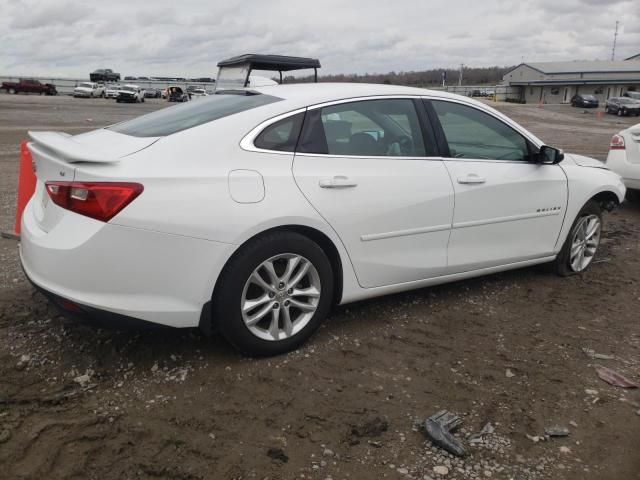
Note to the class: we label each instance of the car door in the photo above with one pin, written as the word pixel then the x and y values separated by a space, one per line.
pixel 508 207
pixel 366 168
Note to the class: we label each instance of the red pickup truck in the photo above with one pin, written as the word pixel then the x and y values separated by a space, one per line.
pixel 27 85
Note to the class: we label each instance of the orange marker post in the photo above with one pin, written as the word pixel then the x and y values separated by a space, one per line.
pixel 26 183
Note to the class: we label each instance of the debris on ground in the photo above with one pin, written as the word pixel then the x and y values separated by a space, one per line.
pixel 509 373
pixel 277 454
pixel 556 431
pixel 488 429
pixel 591 353
pixel 439 428
pixel 614 378
pixel 372 428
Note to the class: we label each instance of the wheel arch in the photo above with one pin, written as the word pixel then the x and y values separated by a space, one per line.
pixel 607 200
pixel 207 322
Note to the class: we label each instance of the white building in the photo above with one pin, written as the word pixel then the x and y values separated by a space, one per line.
pixel 557 82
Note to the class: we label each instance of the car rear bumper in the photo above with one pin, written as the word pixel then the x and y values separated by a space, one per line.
pixel 618 162
pixel 129 272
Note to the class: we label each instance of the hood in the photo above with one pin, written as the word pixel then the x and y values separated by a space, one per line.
pixel 586 161
pixel 100 146
pixel 83 89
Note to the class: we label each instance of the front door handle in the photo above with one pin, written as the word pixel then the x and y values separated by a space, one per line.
pixel 339 181
pixel 471 178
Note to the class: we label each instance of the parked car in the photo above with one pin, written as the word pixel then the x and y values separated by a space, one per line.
pixel 176 94
pixel 104 75
pixel 28 85
pixel 584 100
pixel 111 90
pixel 89 90
pixel 624 156
pixel 622 106
pixel 631 94
pixel 130 94
pixel 130 78
pixel 152 93
pixel 197 93
pixel 310 195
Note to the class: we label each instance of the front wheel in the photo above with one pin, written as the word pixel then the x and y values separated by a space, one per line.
pixel 13 91
pixel 582 243
pixel 273 294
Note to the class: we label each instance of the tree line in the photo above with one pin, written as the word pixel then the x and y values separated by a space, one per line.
pixel 424 78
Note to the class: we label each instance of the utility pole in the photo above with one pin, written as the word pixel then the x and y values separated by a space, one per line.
pixel 615 38
pixel 460 78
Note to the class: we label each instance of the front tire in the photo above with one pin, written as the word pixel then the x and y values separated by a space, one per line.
pixel 273 294
pixel 582 243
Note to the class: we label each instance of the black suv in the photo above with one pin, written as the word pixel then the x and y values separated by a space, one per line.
pixel 584 101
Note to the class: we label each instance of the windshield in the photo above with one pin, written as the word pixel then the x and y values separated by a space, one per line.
pixel 128 89
pixel 86 85
pixel 232 77
pixel 188 115
pixel 588 97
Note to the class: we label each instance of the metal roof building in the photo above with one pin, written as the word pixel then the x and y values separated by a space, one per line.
pixel 557 82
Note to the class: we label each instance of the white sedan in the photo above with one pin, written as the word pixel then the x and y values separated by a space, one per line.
pixel 624 156
pixel 88 90
pixel 255 212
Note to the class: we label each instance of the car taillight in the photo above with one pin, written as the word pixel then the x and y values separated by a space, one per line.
pixel 99 200
pixel 617 142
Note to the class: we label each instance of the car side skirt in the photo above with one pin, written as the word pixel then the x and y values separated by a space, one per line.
pixel 363 294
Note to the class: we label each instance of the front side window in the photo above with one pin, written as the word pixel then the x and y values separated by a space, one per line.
pixel 191 114
pixel 471 133
pixel 371 128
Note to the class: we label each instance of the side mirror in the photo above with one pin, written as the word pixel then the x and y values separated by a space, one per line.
pixel 549 155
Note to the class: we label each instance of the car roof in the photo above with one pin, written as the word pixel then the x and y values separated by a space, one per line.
pixel 304 94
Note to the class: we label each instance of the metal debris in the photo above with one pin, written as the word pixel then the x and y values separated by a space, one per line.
pixel 556 431
pixel 439 427
pixel 614 378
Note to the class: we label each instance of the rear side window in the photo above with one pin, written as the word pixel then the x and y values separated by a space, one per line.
pixel 191 114
pixel 370 128
pixel 281 136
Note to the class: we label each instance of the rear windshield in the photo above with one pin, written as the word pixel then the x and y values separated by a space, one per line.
pixel 588 97
pixel 191 114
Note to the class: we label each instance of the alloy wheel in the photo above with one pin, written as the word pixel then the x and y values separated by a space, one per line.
pixel 280 297
pixel 585 242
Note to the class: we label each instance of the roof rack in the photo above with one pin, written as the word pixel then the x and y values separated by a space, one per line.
pixel 275 63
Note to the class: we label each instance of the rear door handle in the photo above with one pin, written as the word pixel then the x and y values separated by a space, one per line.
pixel 471 178
pixel 339 181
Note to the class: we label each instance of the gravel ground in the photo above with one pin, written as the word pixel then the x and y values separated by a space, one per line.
pixel 516 349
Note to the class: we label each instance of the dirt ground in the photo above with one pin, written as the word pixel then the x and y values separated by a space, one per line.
pixel 82 403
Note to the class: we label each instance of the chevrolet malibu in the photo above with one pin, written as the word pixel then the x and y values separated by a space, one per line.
pixel 254 211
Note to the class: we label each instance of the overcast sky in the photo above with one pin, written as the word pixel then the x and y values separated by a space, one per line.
pixel 188 37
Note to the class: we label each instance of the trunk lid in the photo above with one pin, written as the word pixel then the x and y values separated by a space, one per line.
pixel 57 156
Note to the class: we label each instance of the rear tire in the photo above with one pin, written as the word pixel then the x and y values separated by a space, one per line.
pixel 582 243
pixel 13 91
pixel 274 325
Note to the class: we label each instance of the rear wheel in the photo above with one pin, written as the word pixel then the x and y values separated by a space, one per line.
pixel 13 91
pixel 582 243
pixel 273 294
pixel 606 109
